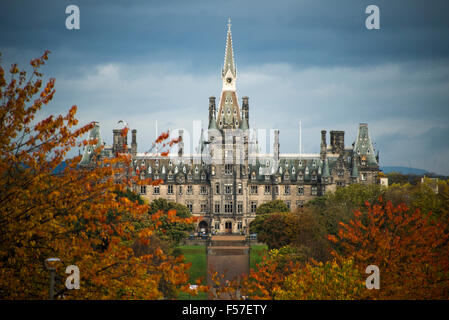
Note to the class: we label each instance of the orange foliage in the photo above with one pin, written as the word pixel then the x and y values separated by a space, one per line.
pixel 78 215
pixel 411 249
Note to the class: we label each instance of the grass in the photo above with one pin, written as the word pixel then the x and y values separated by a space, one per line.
pixel 197 256
pixel 257 253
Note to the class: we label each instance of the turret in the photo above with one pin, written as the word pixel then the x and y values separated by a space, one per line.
pixel 363 147
pixel 245 108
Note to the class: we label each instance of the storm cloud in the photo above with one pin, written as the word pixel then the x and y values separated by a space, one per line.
pixel 308 61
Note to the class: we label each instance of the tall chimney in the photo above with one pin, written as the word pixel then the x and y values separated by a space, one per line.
pixel 276 145
pixel 134 142
pixel 323 145
pixel 181 143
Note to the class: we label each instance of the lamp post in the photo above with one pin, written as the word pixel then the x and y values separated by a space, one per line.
pixel 49 264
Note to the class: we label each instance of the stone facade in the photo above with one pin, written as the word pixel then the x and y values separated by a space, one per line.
pixel 225 182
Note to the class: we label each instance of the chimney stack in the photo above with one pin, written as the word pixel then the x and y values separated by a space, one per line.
pixel 134 142
pixel 323 145
pixel 181 144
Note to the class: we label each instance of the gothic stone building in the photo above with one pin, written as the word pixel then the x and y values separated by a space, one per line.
pixel 227 179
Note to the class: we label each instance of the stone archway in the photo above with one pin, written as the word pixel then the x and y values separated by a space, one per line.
pixel 203 227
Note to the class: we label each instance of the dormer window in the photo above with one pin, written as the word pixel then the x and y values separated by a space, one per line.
pixel 300 163
pixel 229 80
pixel 293 170
pixel 157 163
pixel 196 170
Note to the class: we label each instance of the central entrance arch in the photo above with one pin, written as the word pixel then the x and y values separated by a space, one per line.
pixel 228 227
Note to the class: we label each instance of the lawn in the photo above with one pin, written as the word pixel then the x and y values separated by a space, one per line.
pixel 197 256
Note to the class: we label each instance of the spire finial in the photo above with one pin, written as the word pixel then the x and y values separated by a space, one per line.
pixel 229 23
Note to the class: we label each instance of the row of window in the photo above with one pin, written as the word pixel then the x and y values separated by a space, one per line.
pixel 287 190
pixel 228 189
pixel 170 189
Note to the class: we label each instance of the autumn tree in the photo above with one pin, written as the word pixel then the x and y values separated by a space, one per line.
pixel 332 280
pixel 410 247
pixel 79 215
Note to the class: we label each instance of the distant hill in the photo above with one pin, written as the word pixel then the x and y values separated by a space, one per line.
pixel 404 170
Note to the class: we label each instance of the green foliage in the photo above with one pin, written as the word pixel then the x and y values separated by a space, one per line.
pixel 399 178
pixel 272 207
pixel 275 229
pixel 172 232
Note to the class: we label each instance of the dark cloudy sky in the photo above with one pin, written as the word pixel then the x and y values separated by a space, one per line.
pixel 314 61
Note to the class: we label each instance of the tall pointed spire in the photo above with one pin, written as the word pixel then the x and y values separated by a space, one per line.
pixel 229 64
pixel 228 116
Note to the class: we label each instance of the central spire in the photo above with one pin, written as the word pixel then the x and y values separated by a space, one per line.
pixel 229 64
pixel 229 111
